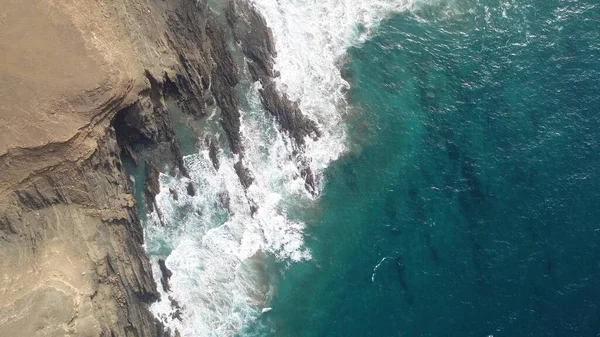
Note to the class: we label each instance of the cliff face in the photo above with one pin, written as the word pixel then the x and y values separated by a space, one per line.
pixel 82 83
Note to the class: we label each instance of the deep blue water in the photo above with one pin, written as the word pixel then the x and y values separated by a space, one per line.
pixel 472 181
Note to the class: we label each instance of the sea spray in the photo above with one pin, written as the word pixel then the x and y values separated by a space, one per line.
pixel 216 241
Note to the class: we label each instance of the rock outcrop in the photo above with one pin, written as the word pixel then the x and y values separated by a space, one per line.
pixel 256 39
pixel 83 84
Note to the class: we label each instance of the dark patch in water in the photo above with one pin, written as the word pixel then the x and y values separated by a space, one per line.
pixel 494 193
pixel 417 205
pixel 350 176
pixel 472 180
pixel 477 257
pixel 390 207
pixel 401 270
pixel 465 205
pixel 549 265
pixel 435 256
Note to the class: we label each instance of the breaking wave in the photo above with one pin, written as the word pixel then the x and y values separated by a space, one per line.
pixel 217 241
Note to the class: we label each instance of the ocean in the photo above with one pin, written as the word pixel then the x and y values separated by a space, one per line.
pixel 458 189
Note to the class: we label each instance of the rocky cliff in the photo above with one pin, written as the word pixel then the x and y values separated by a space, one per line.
pixel 82 84
pixel 85 85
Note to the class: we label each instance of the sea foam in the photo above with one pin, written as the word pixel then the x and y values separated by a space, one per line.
pixel 216 246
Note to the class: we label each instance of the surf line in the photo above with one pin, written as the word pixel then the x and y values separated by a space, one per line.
pixel 377 267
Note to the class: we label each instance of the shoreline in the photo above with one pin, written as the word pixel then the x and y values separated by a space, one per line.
pixel 92 89
pixel 67 209
pixel 67 205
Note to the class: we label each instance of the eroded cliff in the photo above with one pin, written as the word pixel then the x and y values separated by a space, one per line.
pixel 83 83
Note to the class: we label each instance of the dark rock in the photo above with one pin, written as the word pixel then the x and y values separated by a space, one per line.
pixel 129 153
pixel 253 207
pixel 210 101
pixel 146 125
pixel 6 225
pixel 101 186
pixel 179 158
pixel 191 191
pixel 224 79
pixel 212 153
pixel 152 184
pixel 174 194
pixel 256 38
pixel 309 179
pixel 152 188
pixel 225 201
pixel 161 331
pixel 244 174
pixel 176 314
pixel 287 113
pixel 42 193
pixel 187 20
pixel 166 275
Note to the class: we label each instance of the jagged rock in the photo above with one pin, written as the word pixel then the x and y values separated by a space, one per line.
pixel 244 174
pixel 146 124
pixel 66 204
pixel 256 38
pixel 176 314
pixel 309 179
pixel 191 191
pixel 67 209
pixel 225 201
pixel 253 207
pixel 224 79
pixel 161 331
pixel 166 275
pixel 6 225
pixel 174 194
pixel 152 184
pixel 212 152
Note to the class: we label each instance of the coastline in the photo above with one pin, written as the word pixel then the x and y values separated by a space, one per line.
pixel 91 91
pixel 97 93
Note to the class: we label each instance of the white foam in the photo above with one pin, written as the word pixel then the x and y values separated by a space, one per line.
pixel 377 267
pixel 311 39
pixel 218 244
pixel 218 252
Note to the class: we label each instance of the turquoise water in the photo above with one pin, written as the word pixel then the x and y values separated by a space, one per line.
pixel 469 202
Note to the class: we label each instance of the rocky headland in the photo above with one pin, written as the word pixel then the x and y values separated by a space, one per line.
pixel 84 86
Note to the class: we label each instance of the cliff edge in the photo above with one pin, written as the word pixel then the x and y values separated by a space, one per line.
pixel 85 84
pixel 81 82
